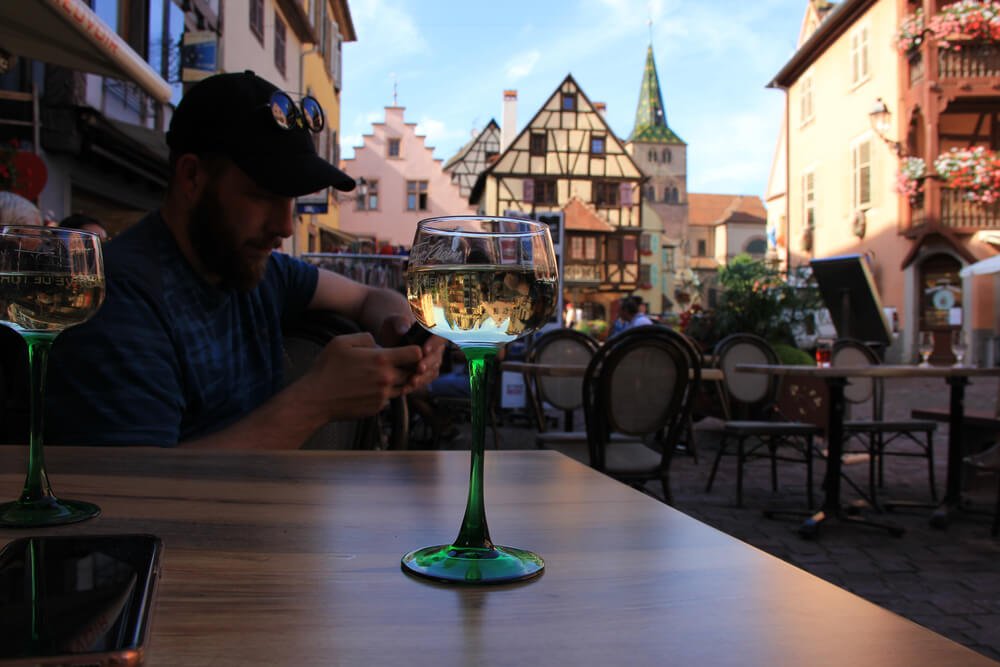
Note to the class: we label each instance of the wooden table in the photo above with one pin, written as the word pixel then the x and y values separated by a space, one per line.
pixel 836 379
pixel 293 558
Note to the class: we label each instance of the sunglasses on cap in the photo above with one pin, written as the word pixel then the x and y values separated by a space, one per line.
pixel 288 115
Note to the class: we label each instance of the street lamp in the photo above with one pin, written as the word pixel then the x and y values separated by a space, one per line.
pixel 879 117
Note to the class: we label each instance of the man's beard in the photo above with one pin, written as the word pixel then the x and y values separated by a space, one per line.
pixel 217 246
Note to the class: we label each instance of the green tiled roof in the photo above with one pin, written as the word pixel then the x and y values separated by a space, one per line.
pixel 650 115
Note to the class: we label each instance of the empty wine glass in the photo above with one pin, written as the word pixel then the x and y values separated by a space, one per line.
pixel 925 346
pixel 958 346
pixel 50 279
pixel 479 282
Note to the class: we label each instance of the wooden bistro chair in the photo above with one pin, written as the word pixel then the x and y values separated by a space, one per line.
pixel 756 424
pixel 304 338
pixel 566 347
pixel 637 386
pixel 881 437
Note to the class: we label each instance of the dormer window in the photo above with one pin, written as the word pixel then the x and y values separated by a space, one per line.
pixel 597 145
pixel 569 101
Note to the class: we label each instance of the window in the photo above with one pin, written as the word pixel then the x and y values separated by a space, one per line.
pixel 809 199
pixel 367 201
pixel 606 193
pixel 416 195
pixel 702 248
pixel 668 259
pixel 757 247
pixel 545 191
pixel 650 193
pixel 569 101
pixel 651 155
pixel 590 248
pixel 667 155
pixel 334 148
pixel 597 143
pixel 576 247
pixel 861 173
pixel 806 99
pixel 630 249
pixel 859 55
pixel 279 44
pixel 645 275
pixel 394 148
pixel 538 146
pixel 646 243
pixel 257 19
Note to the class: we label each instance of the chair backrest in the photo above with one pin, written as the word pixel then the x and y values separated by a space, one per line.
pixel 749 394
pixel 561 346
pixel 304 338
pixel 851 352
pixel 637 385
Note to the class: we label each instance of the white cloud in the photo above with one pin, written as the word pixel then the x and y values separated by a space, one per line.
pixel 521 65
pixel 438 132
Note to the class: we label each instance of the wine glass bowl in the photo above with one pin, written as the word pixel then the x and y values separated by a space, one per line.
pixel 959 346
pixel 50 279
pixel 925 346
pixel 479 282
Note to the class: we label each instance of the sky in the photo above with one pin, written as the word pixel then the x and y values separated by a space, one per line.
pixel 451 60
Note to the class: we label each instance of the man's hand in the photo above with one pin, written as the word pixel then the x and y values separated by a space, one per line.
pixel 391 333
pixel 356 378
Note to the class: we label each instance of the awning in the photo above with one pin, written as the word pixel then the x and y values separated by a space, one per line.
pixel 68 33
pixel 986 266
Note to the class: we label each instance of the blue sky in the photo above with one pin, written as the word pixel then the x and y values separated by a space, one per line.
pixel 451 61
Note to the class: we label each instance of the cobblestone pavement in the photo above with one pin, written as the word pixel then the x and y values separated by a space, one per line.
pixel 947 580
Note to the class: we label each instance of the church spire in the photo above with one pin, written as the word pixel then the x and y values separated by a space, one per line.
pixel 650 114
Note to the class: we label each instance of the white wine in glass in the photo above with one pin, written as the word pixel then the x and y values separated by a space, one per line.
pixel 479 282
pixel 50 279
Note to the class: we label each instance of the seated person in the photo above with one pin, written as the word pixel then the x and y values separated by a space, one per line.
pixel 86 223
pixel 187 348
pixel 16 210
pixel 630 313
pixel 453 382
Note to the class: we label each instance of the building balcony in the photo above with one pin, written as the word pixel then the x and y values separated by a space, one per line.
pixel 974 63
pixel 961 215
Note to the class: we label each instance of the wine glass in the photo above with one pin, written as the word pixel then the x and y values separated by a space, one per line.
pixel 50 279
pixel 479 282
pixel 958 346
pixel 925 346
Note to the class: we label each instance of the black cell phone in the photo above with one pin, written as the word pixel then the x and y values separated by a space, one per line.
pixel 77 600
pixel 415 335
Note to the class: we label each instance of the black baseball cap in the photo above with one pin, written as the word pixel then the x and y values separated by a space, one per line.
pixel 228 114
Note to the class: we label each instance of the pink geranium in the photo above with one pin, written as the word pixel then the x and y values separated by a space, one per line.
pixel 975 170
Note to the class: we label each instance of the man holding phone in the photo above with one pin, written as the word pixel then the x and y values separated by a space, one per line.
pixel 187 348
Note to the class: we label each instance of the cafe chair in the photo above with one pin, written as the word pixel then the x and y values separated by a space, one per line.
pixel 757 427
pixel 637 386
pixel 881 437
pixel 304 338
pixel 989 461
pixel 559 347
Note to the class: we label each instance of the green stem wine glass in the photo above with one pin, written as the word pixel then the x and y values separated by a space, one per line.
pixel 480 283
pixel 50 279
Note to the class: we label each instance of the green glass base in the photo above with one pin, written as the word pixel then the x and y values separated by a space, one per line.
pixel 48 511
pixel 456 565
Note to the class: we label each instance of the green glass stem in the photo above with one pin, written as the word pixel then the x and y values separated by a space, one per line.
pixel 474 532
pixel 36 483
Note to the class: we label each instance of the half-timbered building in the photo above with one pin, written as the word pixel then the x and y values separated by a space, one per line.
pixel 472 158
pixel 568 159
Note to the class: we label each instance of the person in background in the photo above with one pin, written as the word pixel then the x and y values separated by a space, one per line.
pixel 16 210
pixel 187 348
pixel 85 223
pixel 630 313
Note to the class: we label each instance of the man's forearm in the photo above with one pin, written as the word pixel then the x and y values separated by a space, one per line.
pixel 285 421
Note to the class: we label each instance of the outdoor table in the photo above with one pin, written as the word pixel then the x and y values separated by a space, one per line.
pixel 836 379
pixel 579 370
pixel 293 558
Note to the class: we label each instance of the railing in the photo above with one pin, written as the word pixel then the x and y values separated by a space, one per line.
pixel 957 212
pixel 374 270
pixel 973 61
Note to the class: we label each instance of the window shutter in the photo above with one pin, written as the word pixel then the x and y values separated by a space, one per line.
pixel 529 190
pixel 625 194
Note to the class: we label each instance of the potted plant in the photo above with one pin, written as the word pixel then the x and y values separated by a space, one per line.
pixel 975 170
pixel 910 180
pixel 968 20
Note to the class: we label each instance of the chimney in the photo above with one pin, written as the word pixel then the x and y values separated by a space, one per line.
pixel 509 128
pixel 601 108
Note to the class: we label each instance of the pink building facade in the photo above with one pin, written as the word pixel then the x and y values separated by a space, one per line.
pixel 403 184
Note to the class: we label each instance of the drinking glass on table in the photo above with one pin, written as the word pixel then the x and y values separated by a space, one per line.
pixel 50 279
pixel 959 347
pixel 824 352
pixel 925 346
pixel 480 283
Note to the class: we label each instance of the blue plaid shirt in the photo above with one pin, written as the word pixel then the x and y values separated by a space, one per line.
pixel 168 357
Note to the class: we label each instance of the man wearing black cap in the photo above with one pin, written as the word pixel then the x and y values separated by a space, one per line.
pixel 187 348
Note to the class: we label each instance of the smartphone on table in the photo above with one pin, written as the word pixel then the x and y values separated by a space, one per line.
pixel 77 600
